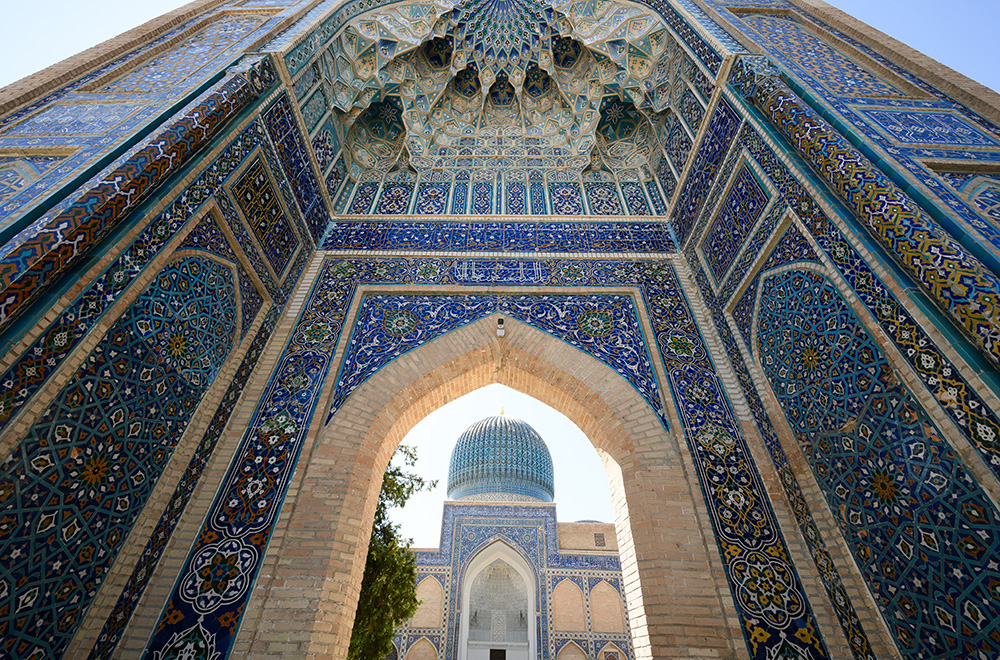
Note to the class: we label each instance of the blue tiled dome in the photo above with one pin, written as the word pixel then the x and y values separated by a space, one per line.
pixel 500 458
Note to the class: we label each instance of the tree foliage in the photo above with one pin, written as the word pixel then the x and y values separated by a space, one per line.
pixel 389 587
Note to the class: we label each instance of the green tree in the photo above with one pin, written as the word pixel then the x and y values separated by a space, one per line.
pixel 389 587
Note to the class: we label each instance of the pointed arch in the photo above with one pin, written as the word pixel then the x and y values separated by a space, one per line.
pixel 610 651
pixel 431 610
pixel 343 462
pixel 606 612
pixel 571 651
pixel 422 650
pixel 569 612
pixel 498 552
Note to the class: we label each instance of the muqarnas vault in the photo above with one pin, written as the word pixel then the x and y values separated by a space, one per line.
pixel 750 248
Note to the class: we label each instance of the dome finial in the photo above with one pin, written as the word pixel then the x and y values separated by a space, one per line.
pixel 501 410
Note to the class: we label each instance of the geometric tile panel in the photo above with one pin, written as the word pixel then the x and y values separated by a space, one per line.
pixel 715 144
pixel 182 61
pixel 189 333
pixel 792 247
pixel 967 409
pixel 909 160
pixel 261 208
pixel 432 199
pixel 59 239
pixel 635 201
pixel 293 154
pixel 825 565
pixel 603 199
pixel 938 128
pixel 30 371
pixel 983 194
pixel 737 215
pixel 515 199
pixel 395 199
pixel 207 236
pixel 82 119
pixel 141 575
pixel 806 55
pixel 565 199
pixel 678 145
pixel 956 280
pixel 363 198
pixel 71 490
pixel 926 537
pixel 482 198
pixel 98 122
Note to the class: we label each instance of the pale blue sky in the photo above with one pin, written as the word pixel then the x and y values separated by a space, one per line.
pixel 959 33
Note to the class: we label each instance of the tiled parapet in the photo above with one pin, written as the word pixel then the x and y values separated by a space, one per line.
pixel 47 248
pixel 75 118
pixel 958 283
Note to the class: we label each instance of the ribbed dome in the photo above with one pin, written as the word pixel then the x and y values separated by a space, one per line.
pixel 500 459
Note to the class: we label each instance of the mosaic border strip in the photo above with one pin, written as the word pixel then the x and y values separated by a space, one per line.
pixel 500 235
pixel 60 238
pixel 958 283
pixel 29 373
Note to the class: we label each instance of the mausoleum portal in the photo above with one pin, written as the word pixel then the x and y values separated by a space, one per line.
pixel 750 248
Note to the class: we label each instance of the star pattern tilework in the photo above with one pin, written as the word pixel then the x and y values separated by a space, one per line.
pixel 76 483
pixel 922 531
pixel 30 371
pixel 742 207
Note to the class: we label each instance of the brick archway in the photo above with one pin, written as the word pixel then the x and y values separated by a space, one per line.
pixel 677 596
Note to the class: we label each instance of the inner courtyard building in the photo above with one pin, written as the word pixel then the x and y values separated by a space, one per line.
pixel 751 248
pixel 503 556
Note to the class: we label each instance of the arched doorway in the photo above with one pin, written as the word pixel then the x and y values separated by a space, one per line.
pixel 324 522
pixel 499 618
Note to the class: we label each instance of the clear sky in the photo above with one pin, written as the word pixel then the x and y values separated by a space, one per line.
pixel 36 34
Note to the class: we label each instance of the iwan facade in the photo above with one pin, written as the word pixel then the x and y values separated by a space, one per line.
pixel 751 248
